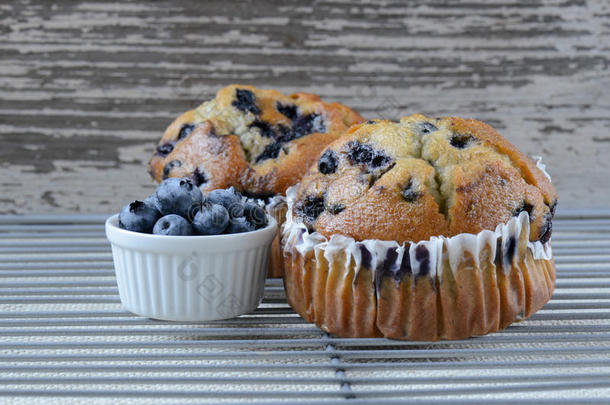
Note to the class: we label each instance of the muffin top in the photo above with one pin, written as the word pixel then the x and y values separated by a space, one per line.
pixel 422 177
pixel 258 141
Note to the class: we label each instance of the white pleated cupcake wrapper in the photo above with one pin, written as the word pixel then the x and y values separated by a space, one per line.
pixel 426 256
pixel 195 287
pixel 541 166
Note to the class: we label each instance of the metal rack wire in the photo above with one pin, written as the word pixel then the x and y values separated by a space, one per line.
pixel 64 337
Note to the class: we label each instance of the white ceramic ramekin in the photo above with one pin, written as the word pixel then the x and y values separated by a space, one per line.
pixel 190 278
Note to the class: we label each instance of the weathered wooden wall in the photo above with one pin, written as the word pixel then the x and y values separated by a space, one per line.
pixel 86 88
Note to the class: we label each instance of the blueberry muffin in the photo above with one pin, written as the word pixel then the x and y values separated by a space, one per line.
pixel 258 141
pixel 423 229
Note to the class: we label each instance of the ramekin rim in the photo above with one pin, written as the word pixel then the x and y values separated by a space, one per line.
pixel 272 223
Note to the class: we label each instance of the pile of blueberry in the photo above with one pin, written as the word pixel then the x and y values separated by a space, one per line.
pixel 177 207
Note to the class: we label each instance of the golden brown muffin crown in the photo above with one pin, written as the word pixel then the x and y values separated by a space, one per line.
pixel 423 177
pixel 259 141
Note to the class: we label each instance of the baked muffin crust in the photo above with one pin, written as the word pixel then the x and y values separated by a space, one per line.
pixel 258 141
pixel 423 177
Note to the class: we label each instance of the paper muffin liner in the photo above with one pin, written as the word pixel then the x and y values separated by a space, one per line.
pixel 441 288
pixel 276 207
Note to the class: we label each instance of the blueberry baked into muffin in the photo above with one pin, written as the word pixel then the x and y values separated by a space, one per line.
pixel 258 141
pixel 422 229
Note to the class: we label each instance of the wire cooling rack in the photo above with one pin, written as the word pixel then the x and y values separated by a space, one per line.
pixel 64 337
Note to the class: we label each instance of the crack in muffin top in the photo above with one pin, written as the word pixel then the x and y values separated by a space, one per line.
pixel 422 177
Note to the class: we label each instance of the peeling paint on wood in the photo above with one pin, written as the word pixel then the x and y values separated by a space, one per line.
pixel 87 88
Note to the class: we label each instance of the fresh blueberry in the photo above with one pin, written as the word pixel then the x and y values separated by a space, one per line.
pixel 178 196
pixel 265 196
pixel 229 198
pixel 255 215
pixel 172 224
pixel 185 131
pixel 236 209
pixel 152 201
pixel 328 162
pixel 212 219
pixel 139 216
pixel 245 101
pixel 239 225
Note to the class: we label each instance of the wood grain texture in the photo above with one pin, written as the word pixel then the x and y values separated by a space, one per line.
pixel 87 88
